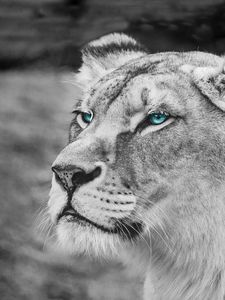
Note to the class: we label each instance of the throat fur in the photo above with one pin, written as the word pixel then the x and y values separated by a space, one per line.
pixel 191 266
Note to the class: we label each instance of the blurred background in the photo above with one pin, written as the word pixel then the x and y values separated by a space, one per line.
pixel 39 51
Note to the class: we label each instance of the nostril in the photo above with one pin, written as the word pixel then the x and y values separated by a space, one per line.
pixel 70 177
pixel 94 174
pixel 78 177
pixel 97 171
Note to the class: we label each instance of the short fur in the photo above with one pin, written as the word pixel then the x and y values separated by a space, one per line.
pixel 170 179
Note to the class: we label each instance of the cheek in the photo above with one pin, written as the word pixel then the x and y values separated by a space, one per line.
pixel 57 200
pixel 163 150
pixel 145 160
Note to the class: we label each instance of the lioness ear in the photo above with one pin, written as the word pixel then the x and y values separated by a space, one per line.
pixel 105 54
pixel 210 81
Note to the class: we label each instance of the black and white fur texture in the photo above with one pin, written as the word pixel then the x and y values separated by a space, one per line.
pixel 151 195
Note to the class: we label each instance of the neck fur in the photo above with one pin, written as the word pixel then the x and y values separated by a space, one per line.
pixel 187 259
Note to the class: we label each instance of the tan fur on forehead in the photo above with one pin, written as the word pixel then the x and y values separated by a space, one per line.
pixel 147 92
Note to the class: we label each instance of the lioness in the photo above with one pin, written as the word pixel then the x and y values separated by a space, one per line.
pixel 143 175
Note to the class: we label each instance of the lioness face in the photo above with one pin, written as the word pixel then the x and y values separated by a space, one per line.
pixel 136 137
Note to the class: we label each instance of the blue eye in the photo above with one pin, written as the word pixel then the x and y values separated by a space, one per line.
pixel 84 118
pixel 87 117
pixel 157 118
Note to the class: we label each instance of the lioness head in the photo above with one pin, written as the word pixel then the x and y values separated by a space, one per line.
pixel 147 131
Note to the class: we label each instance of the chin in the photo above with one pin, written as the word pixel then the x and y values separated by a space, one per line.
pixel 82 232
pixel 77 239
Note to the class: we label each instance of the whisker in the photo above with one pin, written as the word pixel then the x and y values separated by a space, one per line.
pixel 122 227
pixel 152 226
pixel 156 206
pixel 141 235
pixel 48 236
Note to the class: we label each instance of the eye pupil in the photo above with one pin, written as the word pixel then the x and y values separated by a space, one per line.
pixel 87 117
pixel 158 118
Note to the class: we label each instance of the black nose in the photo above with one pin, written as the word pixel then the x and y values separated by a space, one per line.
pixel 70 177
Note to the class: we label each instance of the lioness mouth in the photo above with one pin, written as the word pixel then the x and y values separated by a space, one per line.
pixel 72 215
pixel 127 231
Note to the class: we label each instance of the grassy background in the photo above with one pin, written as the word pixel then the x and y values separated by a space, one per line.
pixel 34 116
